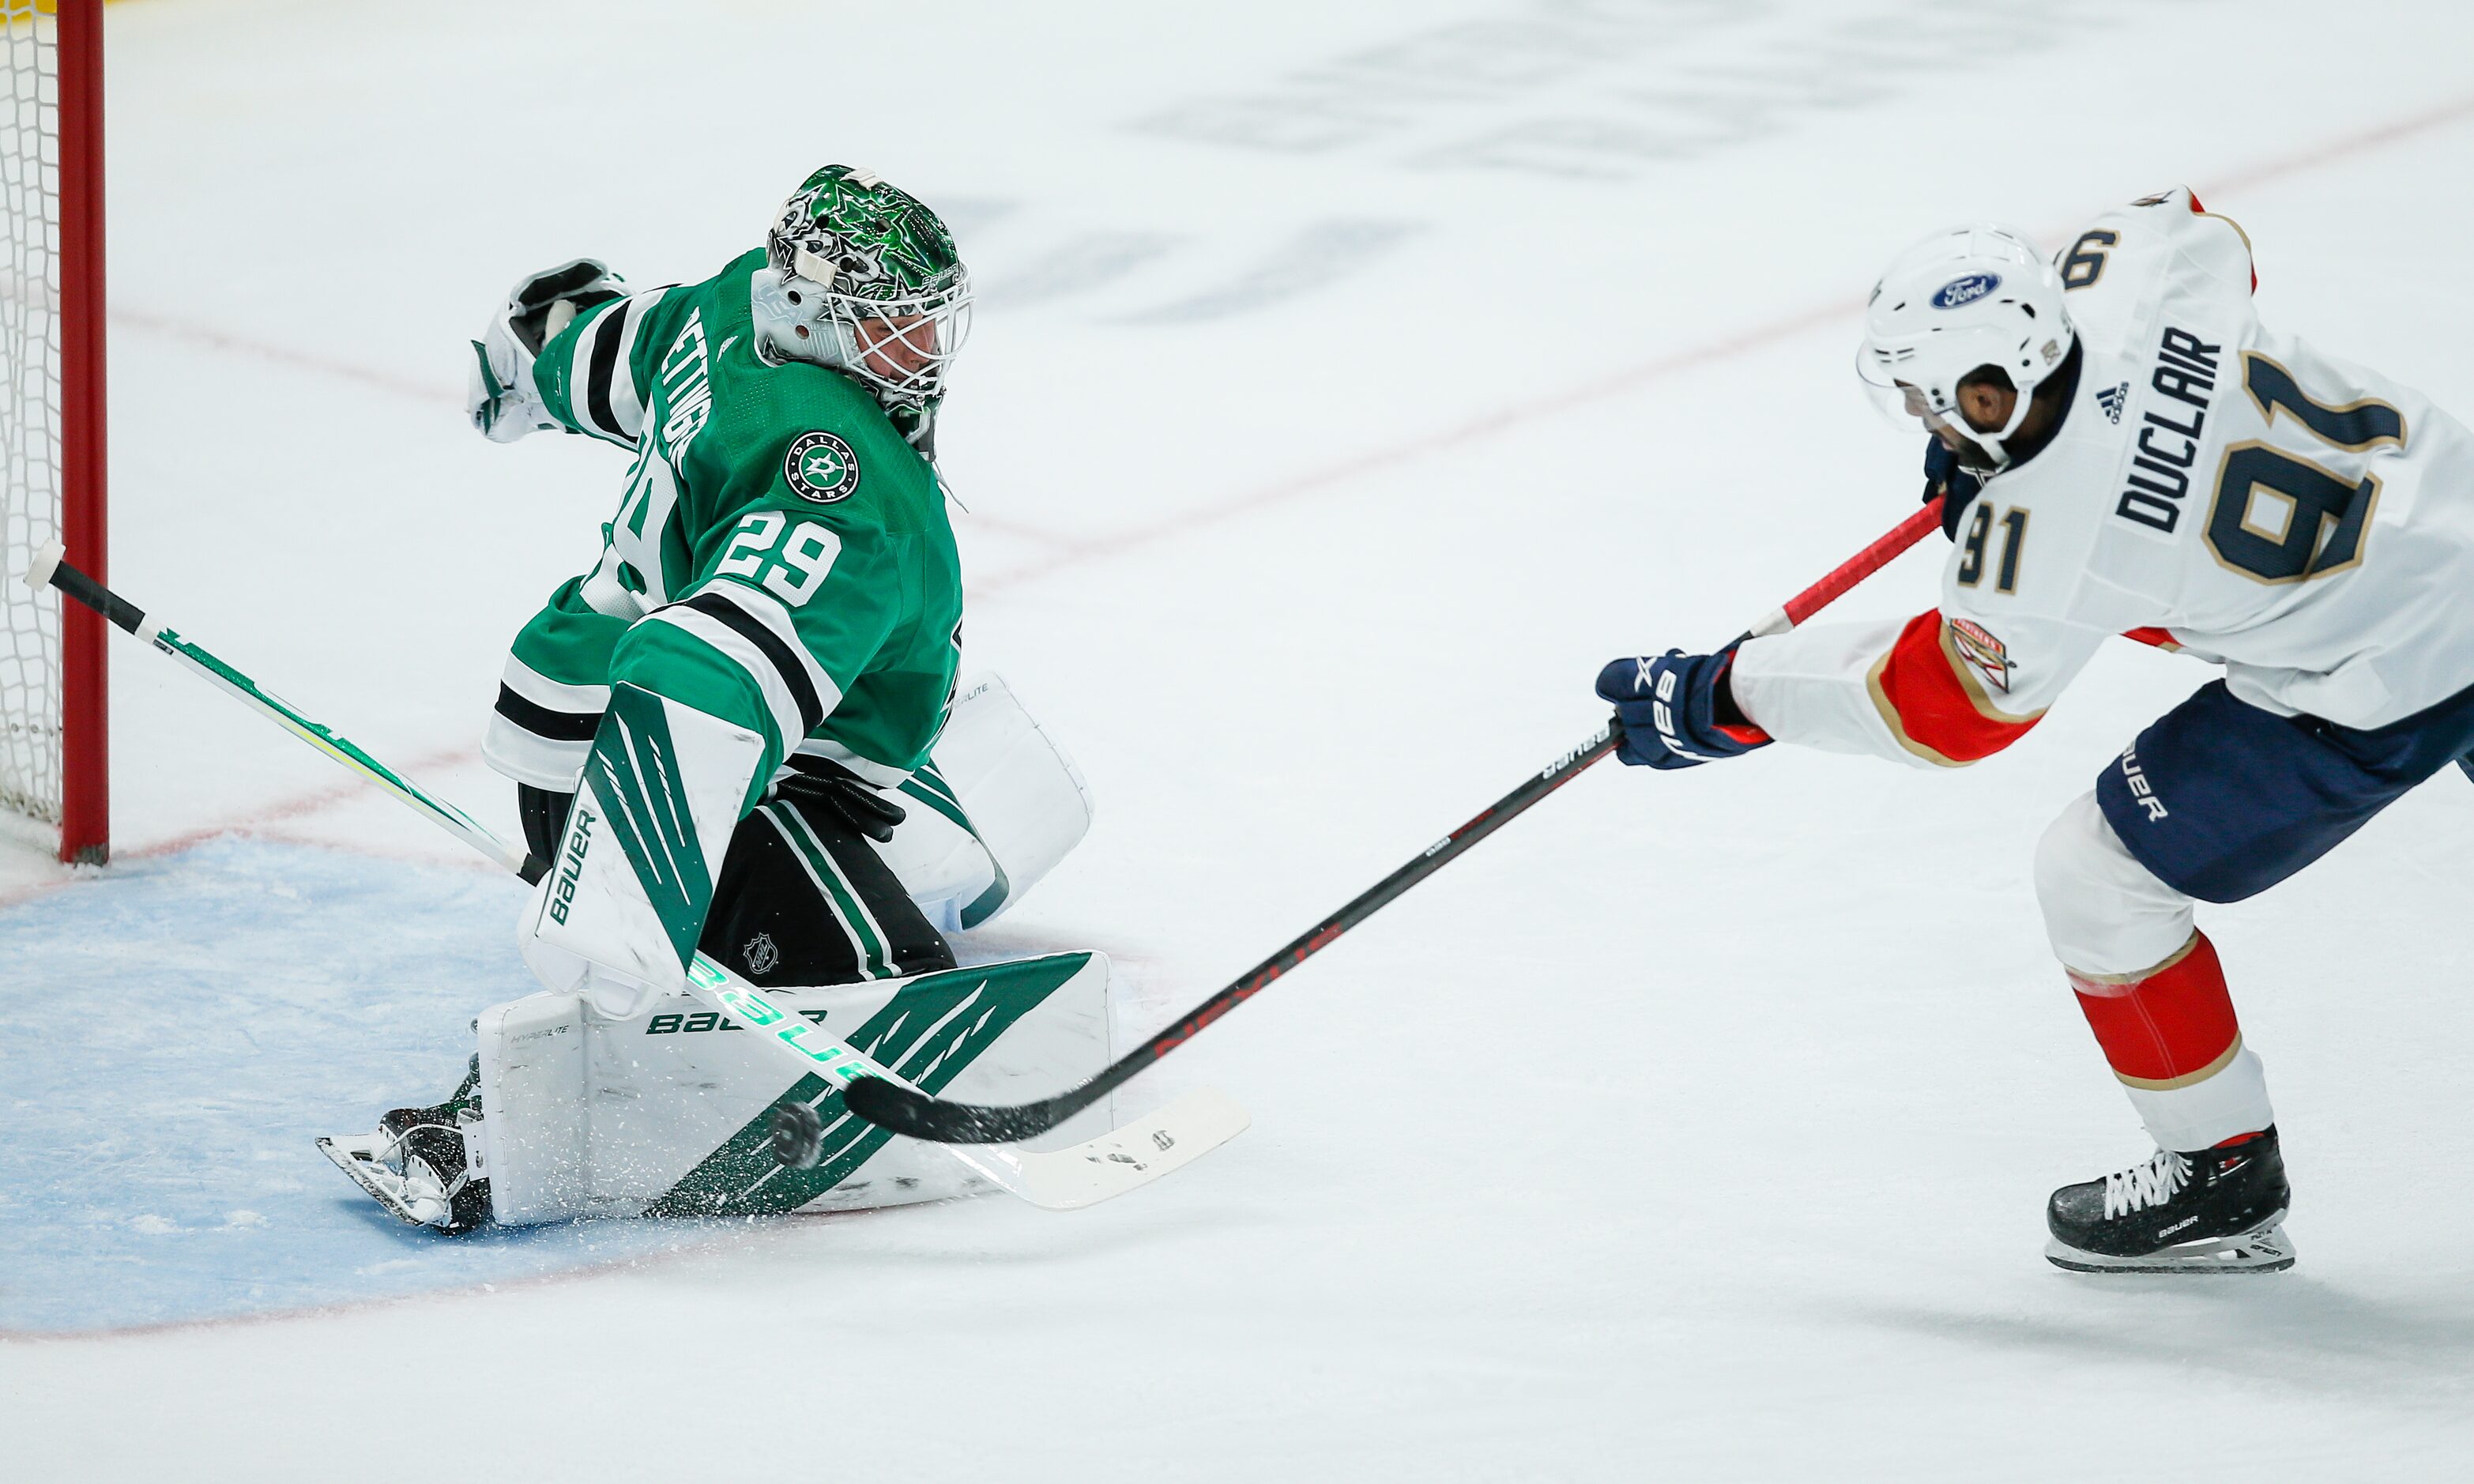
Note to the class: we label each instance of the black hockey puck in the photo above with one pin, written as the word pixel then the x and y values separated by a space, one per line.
pixel 798 1136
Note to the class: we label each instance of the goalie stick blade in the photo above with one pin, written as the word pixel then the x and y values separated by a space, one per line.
pixel 1125 1159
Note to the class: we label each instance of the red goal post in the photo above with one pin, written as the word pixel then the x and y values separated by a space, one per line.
pixel 54 703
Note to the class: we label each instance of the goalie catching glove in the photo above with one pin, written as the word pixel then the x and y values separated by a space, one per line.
pixel 501 395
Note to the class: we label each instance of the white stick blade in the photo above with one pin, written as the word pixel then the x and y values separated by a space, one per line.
pixel 47 560
pixel 1125 1159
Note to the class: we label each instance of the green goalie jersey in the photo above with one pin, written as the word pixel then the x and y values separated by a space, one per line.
pixel 780 557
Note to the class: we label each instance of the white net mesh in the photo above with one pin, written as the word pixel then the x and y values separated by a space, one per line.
pixel 30 412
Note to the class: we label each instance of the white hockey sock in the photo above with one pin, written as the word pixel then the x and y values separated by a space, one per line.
pixel 2206 1113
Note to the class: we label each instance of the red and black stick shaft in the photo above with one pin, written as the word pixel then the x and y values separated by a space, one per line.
pixel 920 1116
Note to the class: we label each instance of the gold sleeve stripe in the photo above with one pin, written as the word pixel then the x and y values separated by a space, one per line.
pixel 2089 983
pixel 2187 1079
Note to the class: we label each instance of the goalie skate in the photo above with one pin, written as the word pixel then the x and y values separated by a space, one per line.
pixel 408 1188
pixel 425 1164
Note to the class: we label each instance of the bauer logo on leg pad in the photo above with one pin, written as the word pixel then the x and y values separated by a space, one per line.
pixel 571 863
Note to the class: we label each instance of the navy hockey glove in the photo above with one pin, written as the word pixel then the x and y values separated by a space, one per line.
pixel 1676 710
pixel 1944 476
pixel 839 794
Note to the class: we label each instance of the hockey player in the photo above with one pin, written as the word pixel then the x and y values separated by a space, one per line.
pixel 2123 447
pixel 706 727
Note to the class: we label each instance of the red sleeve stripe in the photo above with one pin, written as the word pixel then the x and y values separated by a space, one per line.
pixel 2162 639
pixel 1932 702
pixel 1746 732
pixel 2197 210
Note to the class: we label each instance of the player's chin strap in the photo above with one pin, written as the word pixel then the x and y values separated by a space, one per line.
pixel 1096 1170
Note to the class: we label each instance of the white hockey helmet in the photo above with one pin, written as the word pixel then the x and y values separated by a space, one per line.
pixel 1963 299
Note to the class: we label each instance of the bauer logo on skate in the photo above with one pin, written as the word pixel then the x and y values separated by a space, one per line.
pixel 1965 290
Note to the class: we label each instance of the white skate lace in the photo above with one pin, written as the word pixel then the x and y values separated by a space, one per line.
pixel 2143 1185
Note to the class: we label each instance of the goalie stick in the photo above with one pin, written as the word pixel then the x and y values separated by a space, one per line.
pixel 1122 1159
pixel 890 1104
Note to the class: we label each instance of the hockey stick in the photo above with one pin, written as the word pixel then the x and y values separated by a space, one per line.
pixel 1115 1162
pixel 907 1110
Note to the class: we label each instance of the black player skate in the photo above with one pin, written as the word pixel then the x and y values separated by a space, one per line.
pixel 2214 1210
pixel 425 1163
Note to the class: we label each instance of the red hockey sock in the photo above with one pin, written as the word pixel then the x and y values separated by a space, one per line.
pixel 2169 1028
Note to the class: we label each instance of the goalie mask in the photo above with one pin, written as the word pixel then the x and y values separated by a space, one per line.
pixel 1958 301
pixel 864 279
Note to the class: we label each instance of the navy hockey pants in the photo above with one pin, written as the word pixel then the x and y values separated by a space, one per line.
pixel 2223 800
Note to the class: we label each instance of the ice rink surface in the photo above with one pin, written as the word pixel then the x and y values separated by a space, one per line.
pixel 1348 385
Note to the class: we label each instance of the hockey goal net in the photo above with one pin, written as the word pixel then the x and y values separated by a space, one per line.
pixel 53 774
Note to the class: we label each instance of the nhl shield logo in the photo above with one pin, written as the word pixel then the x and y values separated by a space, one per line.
pixel 761 954
pixel 821 467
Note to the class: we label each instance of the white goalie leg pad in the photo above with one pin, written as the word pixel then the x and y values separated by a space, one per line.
pixel 680 1113
pixel 1000 804
pixel 533 1107
pixel 618 915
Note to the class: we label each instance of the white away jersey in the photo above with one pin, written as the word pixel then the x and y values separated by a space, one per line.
pixel 2302 520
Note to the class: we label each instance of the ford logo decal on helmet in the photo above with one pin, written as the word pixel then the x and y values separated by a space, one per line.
pixel 1965 290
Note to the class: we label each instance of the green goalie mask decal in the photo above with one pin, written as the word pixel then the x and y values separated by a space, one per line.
pixel 878 242
pixel 875 285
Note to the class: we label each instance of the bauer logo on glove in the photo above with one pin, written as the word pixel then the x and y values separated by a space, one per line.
pixel 1676 711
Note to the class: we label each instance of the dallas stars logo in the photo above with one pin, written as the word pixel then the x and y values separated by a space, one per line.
pixel 821 467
